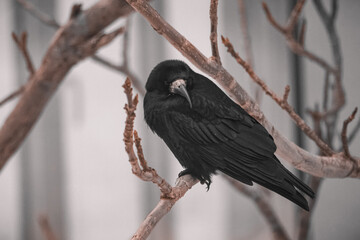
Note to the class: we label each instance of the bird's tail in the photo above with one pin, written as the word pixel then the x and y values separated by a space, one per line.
pixel 289 188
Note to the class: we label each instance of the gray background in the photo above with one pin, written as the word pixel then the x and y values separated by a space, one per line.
pixel 73 166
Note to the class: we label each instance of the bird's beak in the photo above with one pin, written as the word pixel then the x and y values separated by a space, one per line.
pixel 179 87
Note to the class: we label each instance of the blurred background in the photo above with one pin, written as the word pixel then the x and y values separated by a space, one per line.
pixel 73 166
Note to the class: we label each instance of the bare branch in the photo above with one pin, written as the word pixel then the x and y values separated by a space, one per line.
pixel 272 20
pixel 66 49
pixel 329 23
pixel 302 33
pixel 262 203
pixel 295 13
pixel 344 133
pixel 46 228
pixel 146 173
pixel 22 44
pixel 292 43
pixel 184 184
pixel 213 31
pixel 169 195
pixel 325 166
pixel 12 95
pixel 43 17
pixel 48 20
pixel 281 101
pixel 354 132
pixel 135 81
pixel 123 68
pixel 140 153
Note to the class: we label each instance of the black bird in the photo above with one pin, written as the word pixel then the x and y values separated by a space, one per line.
pixel 207 131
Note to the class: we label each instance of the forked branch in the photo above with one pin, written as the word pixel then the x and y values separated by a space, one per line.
pixel 335 165
pixel 283 103
pixel 169 195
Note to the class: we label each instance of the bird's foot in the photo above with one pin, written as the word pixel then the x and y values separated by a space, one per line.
pixel 201 179
pixel 185 172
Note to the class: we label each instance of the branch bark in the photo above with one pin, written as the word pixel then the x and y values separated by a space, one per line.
pixel 79 38
pixel 336 165
pixel 123 68
pixel 213 31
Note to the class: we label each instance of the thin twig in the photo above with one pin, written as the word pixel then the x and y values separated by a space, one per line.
pixel 145 173
pixel 282 102
pixel 22 45
pixel 135 81
pixel 294 15
pixel 294 45
pixel 183 184
pixel 48 20
pixel 12 95
pixel 302 33
pixel 354 132
pixel 328 20
pixel 68 47
pixel 344 133
pixel 169 195
pixel 213 31
pixel 43 17
pixel 325 166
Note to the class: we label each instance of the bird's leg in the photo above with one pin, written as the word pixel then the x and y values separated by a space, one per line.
pixel 201 179
pixel 185 172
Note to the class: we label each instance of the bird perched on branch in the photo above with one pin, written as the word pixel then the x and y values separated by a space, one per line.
pixel 208 132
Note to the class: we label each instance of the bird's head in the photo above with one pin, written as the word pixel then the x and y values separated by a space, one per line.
pixel 171 77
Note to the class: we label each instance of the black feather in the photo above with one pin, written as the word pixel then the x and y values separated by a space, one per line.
pixel 213 133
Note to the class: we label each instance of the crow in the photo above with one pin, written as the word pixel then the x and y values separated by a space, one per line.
pixel 208 132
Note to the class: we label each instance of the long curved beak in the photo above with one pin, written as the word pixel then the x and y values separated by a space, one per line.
pixel 179 87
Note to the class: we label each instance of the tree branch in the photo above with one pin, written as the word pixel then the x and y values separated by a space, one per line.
pixel 43 17
pixel 12 95
pixel 124 69
pixel 79 38
pixel 22 44
pixel 292 43
pixel 282 102
pixel 184 184
pixel 344 138
pixel 213 31
pixel 169 195
pixel 325 166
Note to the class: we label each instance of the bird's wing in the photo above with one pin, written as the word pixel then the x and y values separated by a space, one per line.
pixel 229 138
pixel 236 144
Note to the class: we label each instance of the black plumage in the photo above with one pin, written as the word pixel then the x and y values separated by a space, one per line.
pixel 208 132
